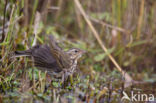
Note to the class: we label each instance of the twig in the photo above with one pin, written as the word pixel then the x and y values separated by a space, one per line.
pixel 36 27
pixel 10 21
pixel 125 75
pixel 3 34
pixel 140 18
pixel 108 25
pixel 53 8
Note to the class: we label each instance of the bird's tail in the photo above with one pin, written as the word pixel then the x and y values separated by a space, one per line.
pixel 20 53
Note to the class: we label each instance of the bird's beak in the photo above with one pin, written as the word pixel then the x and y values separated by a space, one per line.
pixel 83 51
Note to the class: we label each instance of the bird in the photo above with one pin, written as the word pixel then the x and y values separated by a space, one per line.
pixel 53 59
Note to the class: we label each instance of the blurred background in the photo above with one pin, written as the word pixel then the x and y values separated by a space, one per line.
pixel 127 28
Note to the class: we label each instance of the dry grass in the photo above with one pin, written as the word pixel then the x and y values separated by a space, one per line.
pixel 125 30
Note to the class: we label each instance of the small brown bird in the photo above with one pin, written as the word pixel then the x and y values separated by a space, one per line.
pixel 53 59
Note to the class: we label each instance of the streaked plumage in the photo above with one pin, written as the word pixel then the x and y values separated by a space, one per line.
pixel 53 59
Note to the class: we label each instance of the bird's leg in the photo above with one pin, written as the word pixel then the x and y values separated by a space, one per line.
pixel 64 78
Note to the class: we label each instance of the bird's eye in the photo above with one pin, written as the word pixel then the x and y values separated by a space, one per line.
pixel 76 51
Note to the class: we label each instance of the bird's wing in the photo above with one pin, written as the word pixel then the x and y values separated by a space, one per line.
pixel 61 57
pixel 44 58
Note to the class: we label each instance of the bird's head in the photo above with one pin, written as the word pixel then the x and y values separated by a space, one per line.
pixel 75 53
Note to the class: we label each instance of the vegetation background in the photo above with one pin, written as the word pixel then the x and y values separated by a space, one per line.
pixel 118 35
